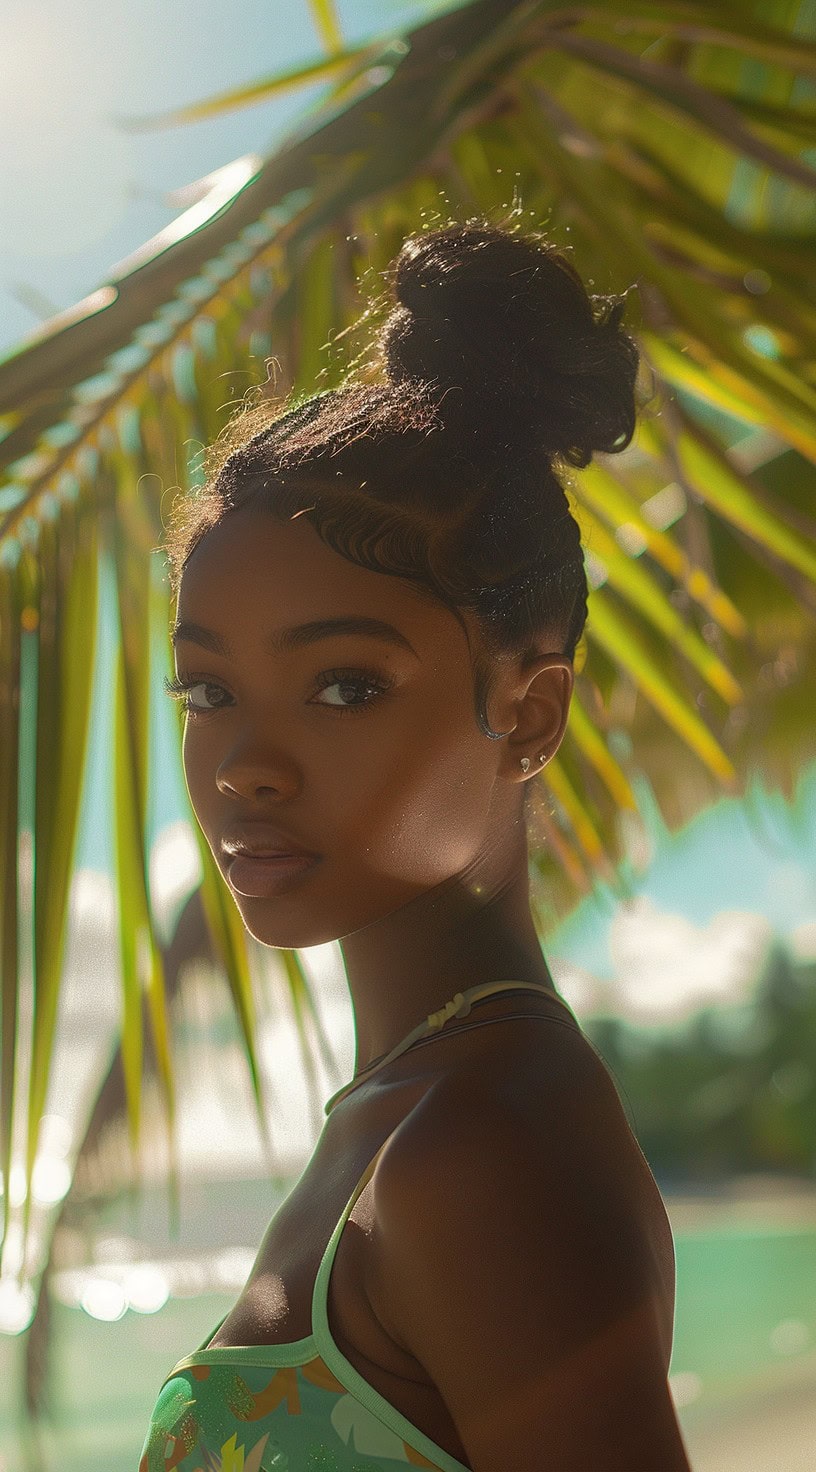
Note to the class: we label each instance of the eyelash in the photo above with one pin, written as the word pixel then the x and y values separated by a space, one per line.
pixel 178 689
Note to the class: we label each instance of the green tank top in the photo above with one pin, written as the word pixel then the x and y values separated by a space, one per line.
pixel 301 1406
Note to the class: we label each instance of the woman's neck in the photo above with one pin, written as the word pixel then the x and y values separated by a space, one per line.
pixel 461 934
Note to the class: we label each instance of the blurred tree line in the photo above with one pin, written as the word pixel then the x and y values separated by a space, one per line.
pixel 731 1092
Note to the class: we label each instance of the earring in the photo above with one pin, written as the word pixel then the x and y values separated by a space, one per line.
pixel 541 757
pixel 525 764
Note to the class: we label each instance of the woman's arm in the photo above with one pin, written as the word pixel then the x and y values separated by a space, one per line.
pixel 519 1258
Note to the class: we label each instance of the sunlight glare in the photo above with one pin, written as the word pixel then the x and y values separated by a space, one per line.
pixel 104 1299
pixel 16 1306
pixel 62 167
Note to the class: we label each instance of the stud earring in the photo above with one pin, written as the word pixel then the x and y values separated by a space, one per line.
pixel 525 764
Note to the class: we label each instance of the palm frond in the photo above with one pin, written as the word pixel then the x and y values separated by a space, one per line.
pixel 11 628
pixel 339 67
pixel 327 23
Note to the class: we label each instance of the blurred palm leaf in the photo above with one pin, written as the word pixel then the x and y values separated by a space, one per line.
pixel 95 1182
pixel 664 146
pixel 342 67
pixel 328 26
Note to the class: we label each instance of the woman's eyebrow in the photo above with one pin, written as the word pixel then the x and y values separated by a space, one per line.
pixel 281 641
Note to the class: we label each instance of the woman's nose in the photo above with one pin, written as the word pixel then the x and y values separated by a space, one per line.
pixel 258 769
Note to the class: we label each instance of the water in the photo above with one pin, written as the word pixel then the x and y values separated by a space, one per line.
pixel 745 1323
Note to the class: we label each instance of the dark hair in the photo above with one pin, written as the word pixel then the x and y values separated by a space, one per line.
pixel 498 365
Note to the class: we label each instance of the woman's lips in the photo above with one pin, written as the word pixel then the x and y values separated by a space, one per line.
pixel 262 878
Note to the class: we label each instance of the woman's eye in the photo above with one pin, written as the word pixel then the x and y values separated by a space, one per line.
pixel 180 690
pixel 357 689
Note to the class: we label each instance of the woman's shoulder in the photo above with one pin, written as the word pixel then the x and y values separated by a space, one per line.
pixel 540 1083
pixel 515 1246
pixel 545 1124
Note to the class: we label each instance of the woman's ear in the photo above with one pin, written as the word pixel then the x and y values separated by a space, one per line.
pixel 540 698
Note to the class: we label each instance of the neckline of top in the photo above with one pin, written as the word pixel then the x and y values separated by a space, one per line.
pixel 458 1006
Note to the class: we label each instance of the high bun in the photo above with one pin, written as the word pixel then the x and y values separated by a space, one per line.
pixel 496 367
pixel 503 325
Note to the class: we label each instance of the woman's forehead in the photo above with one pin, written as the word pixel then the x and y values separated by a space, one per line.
pixel 252 565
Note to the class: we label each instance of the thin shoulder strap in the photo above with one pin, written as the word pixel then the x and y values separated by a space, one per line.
pixel 320 1292
pixel 408 1443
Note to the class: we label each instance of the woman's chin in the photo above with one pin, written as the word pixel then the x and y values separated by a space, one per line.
pixel 291 935
pixel 304 925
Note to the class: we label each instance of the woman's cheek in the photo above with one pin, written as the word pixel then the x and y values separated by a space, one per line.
pixel 426 829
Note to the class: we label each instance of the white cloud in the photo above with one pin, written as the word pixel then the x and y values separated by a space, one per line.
pixel 92 905
pixel 175 871
pixel 583 992
pixel 666 967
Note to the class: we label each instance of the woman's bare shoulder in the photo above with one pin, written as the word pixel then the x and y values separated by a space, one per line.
pixel 531 1071
pixel 513 1235
pixel 548 1118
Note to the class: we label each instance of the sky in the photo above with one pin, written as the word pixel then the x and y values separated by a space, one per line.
pixel 78 193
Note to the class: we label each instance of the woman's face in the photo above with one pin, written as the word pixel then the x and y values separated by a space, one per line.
pixel 360 746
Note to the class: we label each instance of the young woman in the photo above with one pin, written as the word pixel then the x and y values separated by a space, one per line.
pixel 379 593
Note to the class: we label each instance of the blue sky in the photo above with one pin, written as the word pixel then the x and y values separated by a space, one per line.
pixel 77 193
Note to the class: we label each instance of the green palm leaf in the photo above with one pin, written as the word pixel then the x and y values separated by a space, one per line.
pixel 638 136
pixel 676 96
pixel 720 26
pixel 141 964
pixel 615 504
pixel 709 474
pixel 328 25
pixel 619 637
pixel 229 939
pixel 644 593
pixel 340 67
pixel 590 743
pixel 67 565
pixel 11 609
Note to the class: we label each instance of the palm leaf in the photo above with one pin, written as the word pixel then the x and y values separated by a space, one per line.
pixel 643 592
pixel 328 25
pixel 710 475
pixel 577 813
pixel 613 502
pixel 11 609
pixel 676 95
pixel 340 67
pixel 302 1006
pixel 107 1124
pixel 229 939
pixel 141 963
pixel 619 637
pixel 673 171
pixel 720 26
pixel 67 571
